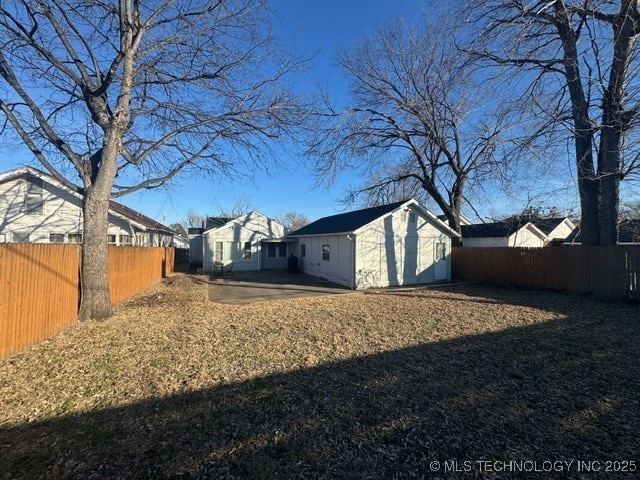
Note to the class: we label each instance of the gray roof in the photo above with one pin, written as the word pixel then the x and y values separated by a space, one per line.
pixel 346 222
pixel 215 222
pixel 495 229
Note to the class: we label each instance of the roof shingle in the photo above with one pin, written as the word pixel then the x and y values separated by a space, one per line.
pixel 345 222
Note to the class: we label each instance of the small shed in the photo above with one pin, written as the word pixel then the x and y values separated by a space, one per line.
pixel 402 243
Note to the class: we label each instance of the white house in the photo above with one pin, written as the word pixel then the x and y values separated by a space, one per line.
pixel 36 208
pixel 556 229
pixel 249 242
pixel 398 244
pixel 503 234
pixel 518 231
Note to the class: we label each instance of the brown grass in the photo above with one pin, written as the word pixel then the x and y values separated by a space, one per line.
pixel 350 386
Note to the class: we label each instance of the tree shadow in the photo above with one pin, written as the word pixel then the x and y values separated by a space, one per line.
pixel 566 389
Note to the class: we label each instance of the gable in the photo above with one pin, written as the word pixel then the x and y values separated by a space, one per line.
pixel 60 199
pixel 249 225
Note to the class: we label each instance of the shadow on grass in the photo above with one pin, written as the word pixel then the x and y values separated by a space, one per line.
pixel 562 390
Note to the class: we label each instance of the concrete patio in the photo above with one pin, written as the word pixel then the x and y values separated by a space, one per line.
pixel 242 288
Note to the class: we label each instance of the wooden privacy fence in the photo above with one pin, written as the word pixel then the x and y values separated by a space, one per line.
pixel 40 286
pixel 607 271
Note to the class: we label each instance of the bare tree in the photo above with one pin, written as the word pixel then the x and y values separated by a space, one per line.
pixel 179 229
pixel 577 60
pixel 293 220
pixel 194 219
pixel 242 205
pixel 413 121
pixel 139 91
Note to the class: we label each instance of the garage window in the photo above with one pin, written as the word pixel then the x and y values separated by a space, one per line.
pixel 218 252
pixel 326 255
pixel 246 253
pixel 303 250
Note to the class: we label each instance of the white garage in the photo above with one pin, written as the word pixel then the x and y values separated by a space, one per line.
pixel 402 243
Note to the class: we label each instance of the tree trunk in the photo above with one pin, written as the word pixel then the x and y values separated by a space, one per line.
pixel 95 302
pixel 615 120
pixel 588 188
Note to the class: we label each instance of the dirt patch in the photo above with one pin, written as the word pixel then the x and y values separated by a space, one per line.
pixel 363 385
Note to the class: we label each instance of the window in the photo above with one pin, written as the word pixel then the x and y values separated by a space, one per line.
pixel 412 217
pixel 56 237
pixel 441 251
pixel 33 202
pixel 325 252
pixel 219 251
pixel 277 250
pixel 75 238
pixel 303 250
pixel 111 239
pixel 246 253
pixel 20 237
pixel 3 238
pixel 125 239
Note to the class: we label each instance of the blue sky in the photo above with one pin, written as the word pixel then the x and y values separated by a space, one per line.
pixel 307 27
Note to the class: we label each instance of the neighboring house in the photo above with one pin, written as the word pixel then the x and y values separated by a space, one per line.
pixel 398 244
pixel 508 233
pixel 36 208
pixel 248 242
pixel 556 229
pixel 628 234
pixel 180 242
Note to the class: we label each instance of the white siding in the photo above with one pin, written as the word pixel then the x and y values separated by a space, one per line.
pixel 562 231
pixel 526 237
pixel 252 227
pixel 391 250
pixel 339 267
pixel 394 251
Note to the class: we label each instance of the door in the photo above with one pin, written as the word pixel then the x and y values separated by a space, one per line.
pixel 440 262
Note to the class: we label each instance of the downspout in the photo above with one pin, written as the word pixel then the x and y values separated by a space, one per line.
pixel 353 261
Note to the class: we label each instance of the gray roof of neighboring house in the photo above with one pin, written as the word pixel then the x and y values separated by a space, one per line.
pixel 495 229
pixel 346 222
pixel 510 226
pixel 138 217
pixel 547 224
pixel 215 222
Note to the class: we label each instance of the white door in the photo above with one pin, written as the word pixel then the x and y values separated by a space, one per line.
pixel 440 262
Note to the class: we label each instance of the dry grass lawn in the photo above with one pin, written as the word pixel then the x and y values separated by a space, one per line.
pixel 376 385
